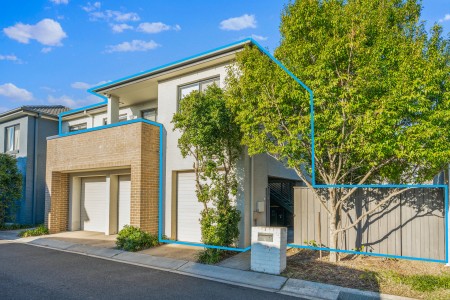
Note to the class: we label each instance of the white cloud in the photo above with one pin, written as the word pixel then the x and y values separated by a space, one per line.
pixel 114 15
pixel 446 18
pixel 108 15
pixel 239 23
pixel 91 6
pixel 9 57
pixel 11 91
pixel 46 50
pixel 47 32
pixel 84 85
pixel 60 1
pixel 120 27
pixel 156 27
pixel 72 102
pixel 134 45
pixel 259 37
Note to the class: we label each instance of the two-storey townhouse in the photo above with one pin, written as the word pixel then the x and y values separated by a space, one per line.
pixel 23 134
pixel 117 162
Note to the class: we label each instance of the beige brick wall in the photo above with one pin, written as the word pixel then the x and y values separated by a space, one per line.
pixel 134 146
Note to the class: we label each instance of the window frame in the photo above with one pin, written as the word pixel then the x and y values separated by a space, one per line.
pixel 105 119
pixel 198 83
pixel 155 109
pixel 77 125
pixel 16 146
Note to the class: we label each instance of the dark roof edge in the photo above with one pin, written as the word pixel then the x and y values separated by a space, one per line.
pixel 174 65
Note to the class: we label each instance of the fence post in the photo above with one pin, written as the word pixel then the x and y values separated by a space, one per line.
pixel 446 212
pixel 319 227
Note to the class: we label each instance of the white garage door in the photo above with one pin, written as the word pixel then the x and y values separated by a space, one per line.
pixel 124 201
pixel 188 209
pixel 93 204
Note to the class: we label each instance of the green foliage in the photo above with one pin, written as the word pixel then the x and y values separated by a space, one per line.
pixel 381 92
pixel 14 226
pixel 134 239
pixel 10 185
pixel 210 256
pixel 424 283
pixel 311 243
pixel 212 138
pixel 359 249
pixel 40 230
pixel 381 88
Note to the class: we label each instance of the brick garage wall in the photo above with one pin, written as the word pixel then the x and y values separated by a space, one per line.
pixel 134 146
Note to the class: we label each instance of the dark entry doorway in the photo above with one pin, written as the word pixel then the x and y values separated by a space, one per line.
pixel 281 203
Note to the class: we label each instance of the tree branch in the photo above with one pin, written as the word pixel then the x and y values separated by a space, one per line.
pixel 368 174
pixel 385 200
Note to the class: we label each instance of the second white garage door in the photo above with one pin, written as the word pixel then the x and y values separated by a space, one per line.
pixel 93 204
pixel 188 209
pixel 124 201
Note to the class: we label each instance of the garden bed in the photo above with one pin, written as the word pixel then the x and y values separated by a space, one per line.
pixel 406 278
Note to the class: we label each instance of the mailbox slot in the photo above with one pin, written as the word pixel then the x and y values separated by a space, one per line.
pixel 265 237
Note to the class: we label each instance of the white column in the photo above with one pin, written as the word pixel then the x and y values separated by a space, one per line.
pixel 113 109
pixel 112 188
pixel 75 204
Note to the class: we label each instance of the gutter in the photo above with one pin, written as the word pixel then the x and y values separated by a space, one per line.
pixel 36 130
pixel 6 117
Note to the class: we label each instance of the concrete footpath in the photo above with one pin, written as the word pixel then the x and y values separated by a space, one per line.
pixel 273 283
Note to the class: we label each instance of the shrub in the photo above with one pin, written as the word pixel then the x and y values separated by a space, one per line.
pixel 210 256
pixel 210 135
pixel 40 230
pixel 10 185
pixel 133 239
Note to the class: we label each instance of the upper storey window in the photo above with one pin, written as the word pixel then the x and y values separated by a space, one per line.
pixel 197 86
pixel 12 138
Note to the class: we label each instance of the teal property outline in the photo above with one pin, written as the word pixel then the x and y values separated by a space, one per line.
pixel 313 181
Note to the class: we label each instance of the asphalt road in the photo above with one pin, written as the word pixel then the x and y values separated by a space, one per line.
pixel 29 272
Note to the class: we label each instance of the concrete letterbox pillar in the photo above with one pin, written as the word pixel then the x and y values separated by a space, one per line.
pixel 269 249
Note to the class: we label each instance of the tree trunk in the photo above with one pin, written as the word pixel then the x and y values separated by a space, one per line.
pixel 334 222
pixel 333 238
pixel 333 242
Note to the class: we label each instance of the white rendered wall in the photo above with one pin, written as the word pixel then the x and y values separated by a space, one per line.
pixel 167 106
pixel 263 167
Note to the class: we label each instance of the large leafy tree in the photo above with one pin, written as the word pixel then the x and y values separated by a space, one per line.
pixel 10 185
pixel 381 98
pixel 211 137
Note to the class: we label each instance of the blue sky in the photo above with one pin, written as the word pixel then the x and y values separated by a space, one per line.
pixel 51 51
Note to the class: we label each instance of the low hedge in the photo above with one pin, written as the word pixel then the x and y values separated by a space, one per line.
pixel 40 230
pixel 133 239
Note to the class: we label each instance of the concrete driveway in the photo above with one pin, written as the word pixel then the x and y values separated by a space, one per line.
pixel 90 238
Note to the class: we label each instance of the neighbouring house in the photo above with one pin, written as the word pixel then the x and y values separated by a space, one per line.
pixel 23 134
pixel 117 162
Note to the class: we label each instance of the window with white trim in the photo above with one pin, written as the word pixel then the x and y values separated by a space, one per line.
pixel 12 134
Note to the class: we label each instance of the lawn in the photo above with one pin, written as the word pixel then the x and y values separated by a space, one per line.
pixel 406 278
